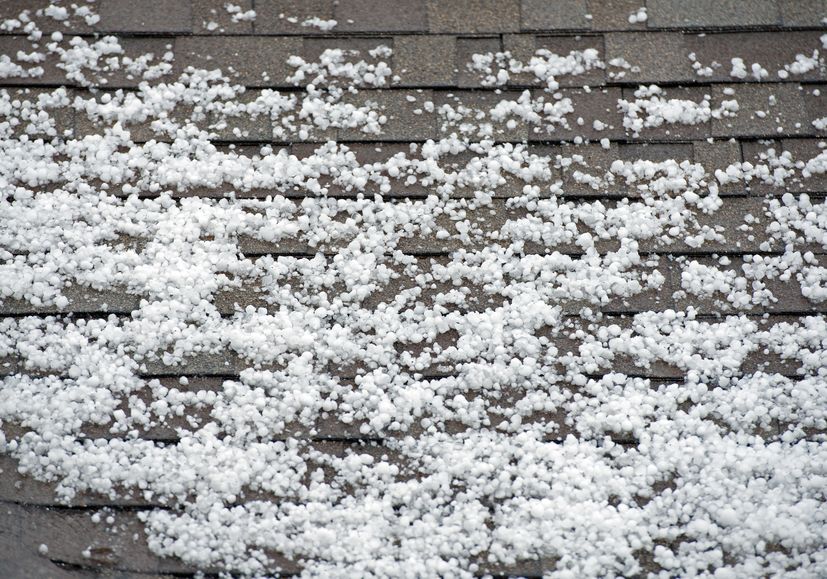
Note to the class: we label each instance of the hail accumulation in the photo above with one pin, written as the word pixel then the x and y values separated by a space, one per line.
pixel 456 334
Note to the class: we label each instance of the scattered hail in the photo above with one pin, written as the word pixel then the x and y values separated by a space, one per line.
pixel 463 310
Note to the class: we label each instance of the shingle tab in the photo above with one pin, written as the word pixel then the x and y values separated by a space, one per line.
pixel 242 126
pixel 556 15
pixel 12 10
pixel 288 16
pixel 249 60
pixel 211 17
pixel 145 16
pixel 676 131
pixel 786 290
pixel 802 150
pixel 425 60
pixel 474 16
pixel 381 16
pixel 765 110
pixel 31 100
pixel 469 105
pixel 355 49
pixel 659 56
pixel 404 123
pixel 614 14
pixel 712 13
pixel 803 13
pixel 466 48
pixel 51 74
pixel 525 46
pixel 719 154
pixel 770 50
pixel 595 115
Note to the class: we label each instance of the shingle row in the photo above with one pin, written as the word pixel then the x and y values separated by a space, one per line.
pixel 443 60
pixel 427 16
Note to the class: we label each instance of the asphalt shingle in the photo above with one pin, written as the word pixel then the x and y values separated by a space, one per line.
pixel 146 16
pixel 595 115
pixel 474 16
pixel 211 17
pixel 712 13
pixel 765 110
pixel 33 9
pixel 614 14
pixel 676 131
pixel 719 154
pixel 524 46
pixel 249 60
pixel 801 150
pixel 472 105
pixel 425 60
pixel 288 16
pixel 770 50
pixel 381 16
pixel 50 73
pixel 404 123
pixel 466 48
pixel 654 56
pixel 557 15
pixel 803 13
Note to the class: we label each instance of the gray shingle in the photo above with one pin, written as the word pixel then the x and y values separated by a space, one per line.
pixel 369 153
pixel 477 102
pixel 593 160
pixel 210 17
pixel 599 104
pixel 659 56
pixel 243 126
pixel 11 10
pixel 804 13
pixel 466 48
pixel 524 46
pixel 474 16
pixel 804 150
pixel 801 150
pixel 30 99
pixel 554 15
pixel 425 60
pixel 730 221
pixel 249 60
pixel 563 45
pixel 403 122
pixel 712 13
pixel 655 299
pixel 134 47
pixel 287 16
pixel 786 291
pixel 765 110
pixel 676 131
pixel 614 14
pixel 521 47
pixel 772 50
pixel 312 48
pixel 758 152
pixel 719 154
pixel 381 16
pixel 146 16
pixel 815 102
pixel 10 45
pixel 656 152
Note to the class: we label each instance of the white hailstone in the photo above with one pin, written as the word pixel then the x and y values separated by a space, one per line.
pixel 639 16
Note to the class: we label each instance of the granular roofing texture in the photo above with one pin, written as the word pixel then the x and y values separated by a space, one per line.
pixel 351 288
